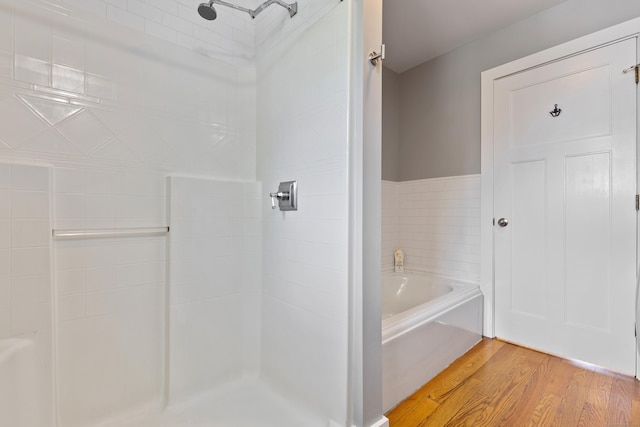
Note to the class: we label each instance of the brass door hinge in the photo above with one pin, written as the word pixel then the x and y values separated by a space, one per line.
pixel 633 68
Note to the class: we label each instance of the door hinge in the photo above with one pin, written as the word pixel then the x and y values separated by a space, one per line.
pixel 375 57
pixel 637 202
pixel 633 68
pixel 494 222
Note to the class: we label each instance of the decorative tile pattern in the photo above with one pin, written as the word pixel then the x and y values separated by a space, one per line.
pixel 68 97
pixel 53 112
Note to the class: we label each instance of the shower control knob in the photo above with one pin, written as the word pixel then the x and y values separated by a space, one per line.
pixel 286 198
pixel 280 195
pixel 503 222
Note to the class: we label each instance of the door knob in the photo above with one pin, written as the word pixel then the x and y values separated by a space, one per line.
pixel 503 222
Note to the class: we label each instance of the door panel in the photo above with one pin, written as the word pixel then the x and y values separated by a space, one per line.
pixel 579 118
pixel 565 263
pixel 587 202
pixel 529 243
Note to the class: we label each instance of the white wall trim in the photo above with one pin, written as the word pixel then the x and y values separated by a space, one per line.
pixel 615 33
pixel 382 422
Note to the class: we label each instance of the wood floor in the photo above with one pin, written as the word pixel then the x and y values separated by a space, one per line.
pixel 500 384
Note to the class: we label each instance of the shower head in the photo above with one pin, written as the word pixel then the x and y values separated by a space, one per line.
pixel 207 11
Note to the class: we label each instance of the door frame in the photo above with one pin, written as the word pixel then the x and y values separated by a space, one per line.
pixel 629 29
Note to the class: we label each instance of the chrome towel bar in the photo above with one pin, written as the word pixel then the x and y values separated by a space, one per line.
pixel 111 232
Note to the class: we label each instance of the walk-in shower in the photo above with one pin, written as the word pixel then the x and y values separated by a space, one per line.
pixel 208 12
pixel 145 280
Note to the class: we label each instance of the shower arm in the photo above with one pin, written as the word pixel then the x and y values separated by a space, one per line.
pixel 292 8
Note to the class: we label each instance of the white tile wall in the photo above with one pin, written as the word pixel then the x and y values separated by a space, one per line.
pixel 233 37
pixel 215 283
pixel 113 110
pixel 437 224
pixel 303 136
pixel 68 96
pixel 110 357
pixel 274 25
pixel 117 94
pixel 110 293
pixel 230 38
pixel 390 222
pixel 25 270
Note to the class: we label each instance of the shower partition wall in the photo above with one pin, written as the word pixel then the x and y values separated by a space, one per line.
pixel 303 135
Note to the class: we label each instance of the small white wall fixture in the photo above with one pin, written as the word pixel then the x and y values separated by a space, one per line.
pixel 592 41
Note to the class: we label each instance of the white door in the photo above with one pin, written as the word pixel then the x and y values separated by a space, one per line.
pixel 565 181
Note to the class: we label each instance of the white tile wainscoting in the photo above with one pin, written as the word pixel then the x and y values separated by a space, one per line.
pixel 436 222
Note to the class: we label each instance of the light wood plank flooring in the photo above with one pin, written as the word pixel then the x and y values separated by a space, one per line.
pixel 500 384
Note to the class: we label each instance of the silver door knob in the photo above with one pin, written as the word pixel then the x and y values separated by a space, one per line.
pixel 503 222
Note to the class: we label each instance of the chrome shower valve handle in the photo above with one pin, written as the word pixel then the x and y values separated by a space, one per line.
pixel 280 195
pixel 286 198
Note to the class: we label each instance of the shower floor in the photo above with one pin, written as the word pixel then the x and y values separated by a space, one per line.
pixel 247 403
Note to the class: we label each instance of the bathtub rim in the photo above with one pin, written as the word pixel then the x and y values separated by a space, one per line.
pixel 408 320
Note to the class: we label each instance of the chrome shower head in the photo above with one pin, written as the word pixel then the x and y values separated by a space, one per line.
pixel 207 11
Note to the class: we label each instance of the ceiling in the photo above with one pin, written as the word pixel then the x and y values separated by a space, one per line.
pixel 416 31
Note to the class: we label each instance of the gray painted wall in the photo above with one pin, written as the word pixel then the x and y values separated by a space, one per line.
pixel 439 121
pixel 390 125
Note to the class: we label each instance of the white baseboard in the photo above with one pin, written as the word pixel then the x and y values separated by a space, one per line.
pixel 382 422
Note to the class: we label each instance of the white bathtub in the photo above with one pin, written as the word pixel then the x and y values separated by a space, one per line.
pixel 20 405
pixel 427 322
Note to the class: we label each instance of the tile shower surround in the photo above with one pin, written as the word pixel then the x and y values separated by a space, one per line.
pixel 436 222
pixel 233 37
pixel 110 293
pixel 25 256
pixel 76 90
pixel 303 131
pixel 214 291
pixel 111 134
